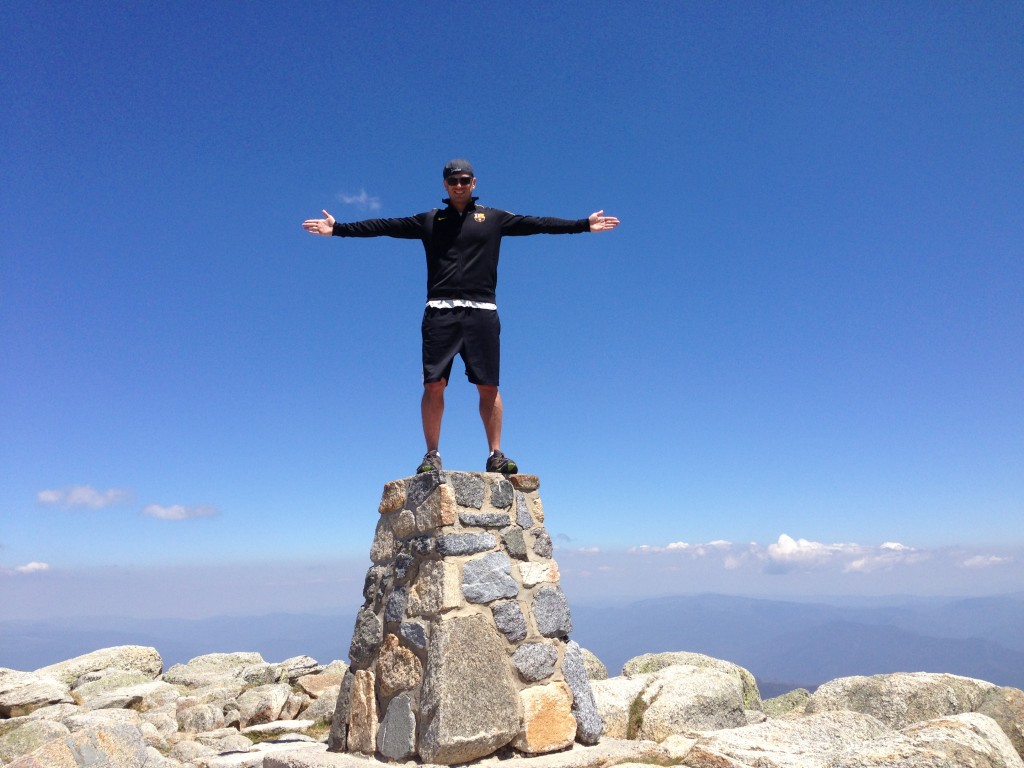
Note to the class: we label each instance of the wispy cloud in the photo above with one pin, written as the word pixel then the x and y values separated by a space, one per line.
pixel 363 201
pixel 985 561
pixel 84 496
pixel 32 567
pixel 178 512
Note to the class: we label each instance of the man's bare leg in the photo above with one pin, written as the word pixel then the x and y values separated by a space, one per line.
pixel 432 409
pixel 491 411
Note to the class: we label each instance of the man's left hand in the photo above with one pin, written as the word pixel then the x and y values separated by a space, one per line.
pixel 601 223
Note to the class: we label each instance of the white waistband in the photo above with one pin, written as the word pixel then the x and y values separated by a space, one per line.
pixel 452 303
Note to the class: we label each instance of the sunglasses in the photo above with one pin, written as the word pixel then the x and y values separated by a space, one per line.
pixel 459 181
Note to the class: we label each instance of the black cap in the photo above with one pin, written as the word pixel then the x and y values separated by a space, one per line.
pixel 458 165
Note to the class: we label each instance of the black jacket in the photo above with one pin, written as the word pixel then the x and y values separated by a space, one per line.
pixel 461 248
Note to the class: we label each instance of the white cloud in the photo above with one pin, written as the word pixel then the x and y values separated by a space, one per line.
pixel 589 550
pixel 362 201
pixel 682 547
pixel 178 512
pixel 800 554
pixel 32 567
pixel 84 496
pixel 984 561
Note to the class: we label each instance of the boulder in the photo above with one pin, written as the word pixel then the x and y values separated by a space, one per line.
pixel 469 705
pixel 120 745
pixel 24 692
pixel 792 703
pixel 548 724
pixel 29 736
pixel 617 700
pixel 127 658
pixel 682 699
pixel 262 704
pixel 596 670
pixel 653 662
pixel 211 669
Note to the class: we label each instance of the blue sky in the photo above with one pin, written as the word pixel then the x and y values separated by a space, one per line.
pixel 797 365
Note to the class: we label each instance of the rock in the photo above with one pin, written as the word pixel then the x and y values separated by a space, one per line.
pixel 501 494
pixel 682 699
pixel 791 703
pixel 99 718
pixel 29 736
pixel 548 724
pixel 461 544
pixel 542 544
pixel 262 704
pixel 127 658
pixel 509 619
pixel 806 742
pixel 533 574
pixel 484 519
pixel 393 497
pixel 488 578
pixel 1006 707
pixel 197 718
pixel 24 692
pixel 551 612
pixel 210 669
pixel 525 483
pixel 396 738
pixel 224 740
pixel 398 669
pixel 653 662
pixel 414 633
pixel 535 661
pixel 969 739
pixel 469 489
pixel 617 699
pixel 323 706
pixel 902 698
pixel 596 670
pixel 299 666
pixel 366 637
pixel 383 547
pixel 523 518
pixel 584 708
pixel 362 716
pixel 118 745
pixel 337 739
pixel 514 543
pixel 316 685
pixel 469 705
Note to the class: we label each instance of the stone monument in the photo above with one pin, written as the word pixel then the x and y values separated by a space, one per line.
pixel 462 647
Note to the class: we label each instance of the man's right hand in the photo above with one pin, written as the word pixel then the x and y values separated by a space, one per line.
pixel 324 226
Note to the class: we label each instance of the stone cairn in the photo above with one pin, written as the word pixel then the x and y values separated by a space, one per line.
pixel 462 646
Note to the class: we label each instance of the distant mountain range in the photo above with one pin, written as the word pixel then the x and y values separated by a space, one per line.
pixel 785 644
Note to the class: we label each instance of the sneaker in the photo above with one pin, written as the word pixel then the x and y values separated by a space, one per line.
pixel 431 463
pixel 499 462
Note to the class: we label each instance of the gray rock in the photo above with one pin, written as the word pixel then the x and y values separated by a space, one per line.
pixel 542 545
pixel 1006 707
pixel 655 662
pixel 210 669
pixel 419 487
pixel 394 608
pixel 29 736
pixel 793 702
pixel 514 542
pixel 396 737
pixel 414 633
pixel 469 488
pixel 551 612
pixel 366 637
pixel 535 661
pixel 118 744
pixel 24 692
pixel 488 578
pixel 501 494
pixel 484 519
pixel 373 586
pixel 200 718
pixel 101 717
pixel 588 722
pixel 400 568
pixel 262 704
pixel 509 619
pixel 86 688
pixel 260 674
pixel 596 670
pixel 469 704
pixel 127 658
pixel 902 698
pixel 297 666
pixel 337 739
pixel 523 517
pixel 323 707
pixel 458 544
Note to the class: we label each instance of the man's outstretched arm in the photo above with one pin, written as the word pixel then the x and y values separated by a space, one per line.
pixel 598 222
pixel 323 226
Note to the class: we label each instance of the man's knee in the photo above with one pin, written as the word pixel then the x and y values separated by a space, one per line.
pixel 434 388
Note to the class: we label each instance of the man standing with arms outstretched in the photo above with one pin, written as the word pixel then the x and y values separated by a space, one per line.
pixel 461 243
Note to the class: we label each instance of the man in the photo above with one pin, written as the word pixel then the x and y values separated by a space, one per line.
pixel 461 243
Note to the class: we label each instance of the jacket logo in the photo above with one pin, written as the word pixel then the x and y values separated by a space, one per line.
pixel 479 217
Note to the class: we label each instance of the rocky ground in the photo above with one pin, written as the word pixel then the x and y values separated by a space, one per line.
pixel 117 707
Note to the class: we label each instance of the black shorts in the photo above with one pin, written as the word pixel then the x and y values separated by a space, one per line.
pixel 473 333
